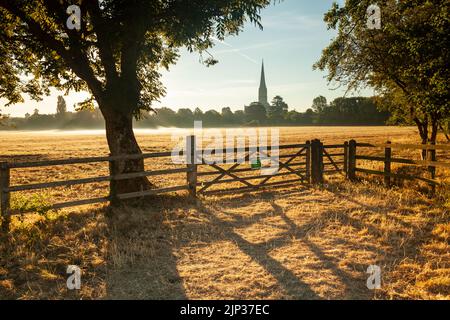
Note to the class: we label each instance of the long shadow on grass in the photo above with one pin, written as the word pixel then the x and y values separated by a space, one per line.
pixel 240 199
pixel 288 281
pixel 352 285
pixel 141 263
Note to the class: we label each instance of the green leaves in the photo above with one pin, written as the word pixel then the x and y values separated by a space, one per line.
pixel 120 44
pixel 406 60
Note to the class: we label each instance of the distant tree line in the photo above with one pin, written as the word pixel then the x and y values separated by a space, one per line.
pixel 62 119
pixel 341 111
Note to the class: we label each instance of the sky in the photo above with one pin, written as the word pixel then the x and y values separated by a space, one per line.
pixel 293 38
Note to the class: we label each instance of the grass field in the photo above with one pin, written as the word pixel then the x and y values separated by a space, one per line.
pixel 296 242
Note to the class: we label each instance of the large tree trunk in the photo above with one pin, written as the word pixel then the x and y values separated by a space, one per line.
pixel 121 141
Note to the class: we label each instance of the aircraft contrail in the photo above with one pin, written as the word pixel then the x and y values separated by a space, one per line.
pixel 238 51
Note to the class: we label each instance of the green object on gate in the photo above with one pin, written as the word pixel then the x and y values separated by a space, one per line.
pixel 256 164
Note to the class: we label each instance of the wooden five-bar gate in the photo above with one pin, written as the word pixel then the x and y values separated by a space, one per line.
pixel 297 163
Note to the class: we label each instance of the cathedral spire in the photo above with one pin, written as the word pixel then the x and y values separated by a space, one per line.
pixel 262 97
pixel 263 77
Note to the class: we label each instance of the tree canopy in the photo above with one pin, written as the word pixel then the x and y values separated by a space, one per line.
pixel 119 48
pixel 405 60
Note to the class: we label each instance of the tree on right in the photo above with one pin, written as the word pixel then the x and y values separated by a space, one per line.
pixel 404 60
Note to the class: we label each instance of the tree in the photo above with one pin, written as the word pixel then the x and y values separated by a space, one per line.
pixel 227 115
pixel 116 54
pixel 61 108
pixel 294 117
pixel 255 113
pixel 212 118
pixel 277 110
pixel 185 117
pixel 355 110
pixel 239 116
pixel 319 104
pixel 309 116
pixel 3 120
pixel 166 117
pixel 279 103
pixel 406 60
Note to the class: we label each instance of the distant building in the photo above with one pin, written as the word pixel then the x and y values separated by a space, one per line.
pixel 262 94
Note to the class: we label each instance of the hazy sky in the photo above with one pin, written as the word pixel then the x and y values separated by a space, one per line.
pixel 292 40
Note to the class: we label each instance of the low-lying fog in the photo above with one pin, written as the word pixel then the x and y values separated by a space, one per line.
pixel 94 132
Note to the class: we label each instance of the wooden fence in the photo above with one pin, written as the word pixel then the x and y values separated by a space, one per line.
pixel 308 163
pixel 388 159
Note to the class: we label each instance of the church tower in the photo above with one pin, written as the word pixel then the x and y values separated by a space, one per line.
pixel 262 97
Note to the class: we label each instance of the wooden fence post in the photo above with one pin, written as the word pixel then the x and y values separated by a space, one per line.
pixel 322 165
pixel 316 162
pixel 191 160
pixel 345 158
pixel 387 165
pixel 113 183
pixel 351 174
pixel 4 195
pixel 308 161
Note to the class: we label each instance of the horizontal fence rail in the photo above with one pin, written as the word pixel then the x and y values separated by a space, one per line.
pixel 405 146
pixel 407 161
pixel 308 163
pixel 431 162
pixel 88 160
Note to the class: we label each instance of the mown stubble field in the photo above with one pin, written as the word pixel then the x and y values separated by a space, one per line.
pixel 296 242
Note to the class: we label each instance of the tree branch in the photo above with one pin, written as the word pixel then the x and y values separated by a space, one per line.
pixel 74 59
pixel 103 39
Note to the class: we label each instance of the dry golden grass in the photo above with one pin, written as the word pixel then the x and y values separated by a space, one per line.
pixel 287 243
